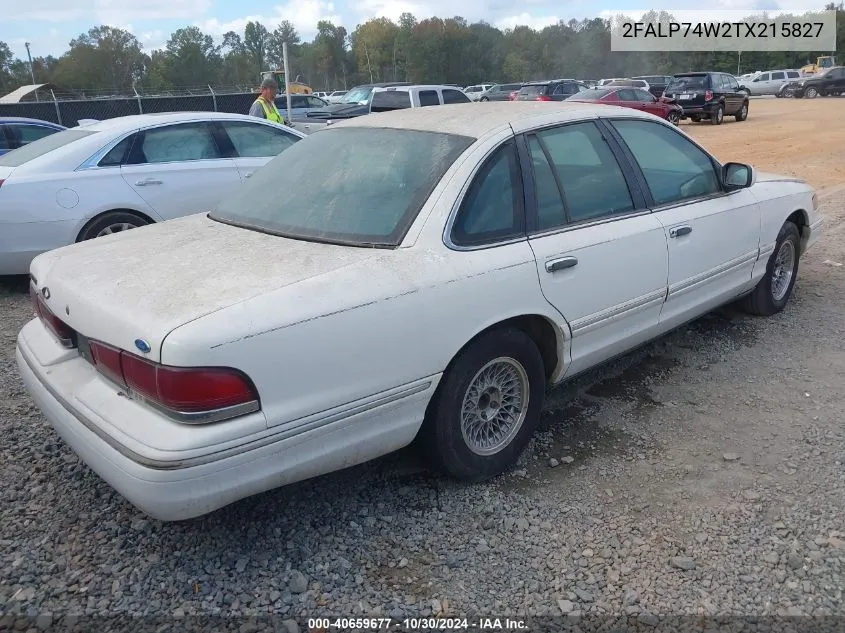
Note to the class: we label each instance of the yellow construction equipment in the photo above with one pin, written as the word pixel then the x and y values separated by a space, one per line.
pixel 296 87
pixel 821 63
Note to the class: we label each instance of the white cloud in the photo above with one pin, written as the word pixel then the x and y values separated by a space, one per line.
pixel 303 15
pixel 537 22
pixel 104 11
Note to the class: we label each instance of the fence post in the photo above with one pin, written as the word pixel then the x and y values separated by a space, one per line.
pixel 213 96
pixel 58 110
pixel 140 107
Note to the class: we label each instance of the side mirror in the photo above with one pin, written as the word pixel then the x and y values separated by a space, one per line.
pixel 738 176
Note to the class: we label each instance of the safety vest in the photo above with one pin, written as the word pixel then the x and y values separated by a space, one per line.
pixel 271 114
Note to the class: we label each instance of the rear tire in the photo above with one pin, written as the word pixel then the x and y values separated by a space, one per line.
pixel 718 115
pixel 487 406
pixel 109 223
pixel 772 292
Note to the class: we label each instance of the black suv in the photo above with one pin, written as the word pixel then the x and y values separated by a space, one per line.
pixel 708 96
pixel 553 90
pixel 831 81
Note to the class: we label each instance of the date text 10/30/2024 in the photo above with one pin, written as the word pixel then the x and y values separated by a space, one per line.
pixel 319 625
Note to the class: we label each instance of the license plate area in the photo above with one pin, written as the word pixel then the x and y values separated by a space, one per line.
pixel 685 97
pixel 84 347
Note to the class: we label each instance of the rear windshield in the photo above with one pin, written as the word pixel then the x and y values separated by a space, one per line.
pixel 692 82
pixel 32 150
pixel 591 94
pixel 357 186
pixel 534 90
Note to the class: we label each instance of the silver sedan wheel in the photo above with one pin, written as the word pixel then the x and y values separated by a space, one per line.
pixel 783 270
pixel 116 228
pixel 494 406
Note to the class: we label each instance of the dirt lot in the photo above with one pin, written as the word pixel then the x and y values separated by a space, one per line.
pixel 799 137
pixel 703 474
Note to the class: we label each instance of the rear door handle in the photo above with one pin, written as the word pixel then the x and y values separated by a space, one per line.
pixel 559 264
pixel 147 181
pixel 678 231
pixel 248 174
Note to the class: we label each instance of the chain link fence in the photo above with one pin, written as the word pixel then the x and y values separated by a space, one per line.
pixel 69 109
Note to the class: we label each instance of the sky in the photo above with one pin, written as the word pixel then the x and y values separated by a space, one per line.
pixel 49 25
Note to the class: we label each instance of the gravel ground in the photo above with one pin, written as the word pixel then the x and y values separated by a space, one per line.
pixel 702 474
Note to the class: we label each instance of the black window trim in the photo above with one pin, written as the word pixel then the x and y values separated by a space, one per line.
pixel 630 176
pixel 458 205
pixel 649 199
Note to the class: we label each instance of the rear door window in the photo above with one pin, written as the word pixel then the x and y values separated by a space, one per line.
pixel 429 98
pixel 24 134
pixel 385 100
pixel 175 143
pixel 4 143
pixel 778 76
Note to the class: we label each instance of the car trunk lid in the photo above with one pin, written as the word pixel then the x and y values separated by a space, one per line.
pixel 132 289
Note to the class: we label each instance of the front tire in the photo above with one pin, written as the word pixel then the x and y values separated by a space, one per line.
pixel 487 406
pixel 811 93
pixel 773 291
pixel 743 112
pixel 674 118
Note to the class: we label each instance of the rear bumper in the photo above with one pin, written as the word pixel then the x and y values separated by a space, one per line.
pixel 700 110
pixel 181 491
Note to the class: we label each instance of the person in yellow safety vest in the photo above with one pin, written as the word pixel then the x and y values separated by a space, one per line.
pixel 265 106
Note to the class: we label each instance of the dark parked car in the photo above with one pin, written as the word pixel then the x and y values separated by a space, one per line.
pixel 709 96
pixel 16 132
pixel 656 83
pixel 354 103
pixel 830 81
pixel 554 90
pixel 499 92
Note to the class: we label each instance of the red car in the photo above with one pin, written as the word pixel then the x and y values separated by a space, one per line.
pixel 636 98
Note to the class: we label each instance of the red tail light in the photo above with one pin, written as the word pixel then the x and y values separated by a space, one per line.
pixel 189 391
pixel 2 181
pixel 53 323
pixel 543 98
pixel 708 95
pixel 514 95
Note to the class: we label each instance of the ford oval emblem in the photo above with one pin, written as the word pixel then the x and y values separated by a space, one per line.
pixel 45 292
pixel 142 345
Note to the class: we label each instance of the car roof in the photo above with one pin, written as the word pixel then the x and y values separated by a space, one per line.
pixel 134 121
pixel 23 119
pixel 477 121
pixel 422 86
pixel 698 74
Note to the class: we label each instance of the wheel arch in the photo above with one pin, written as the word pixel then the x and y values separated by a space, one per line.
pixel 547 336
pixel 147 218
pixel 801 219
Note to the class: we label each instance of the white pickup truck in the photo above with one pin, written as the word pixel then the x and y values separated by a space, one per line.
pixel 383 99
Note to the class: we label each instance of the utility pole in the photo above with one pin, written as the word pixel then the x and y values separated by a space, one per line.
pixel 29 56
pixel 31 70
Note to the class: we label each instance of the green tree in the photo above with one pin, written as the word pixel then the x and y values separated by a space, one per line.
pixel 104 58
pixel 192 58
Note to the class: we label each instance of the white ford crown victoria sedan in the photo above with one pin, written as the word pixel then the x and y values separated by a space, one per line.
pixel 427 272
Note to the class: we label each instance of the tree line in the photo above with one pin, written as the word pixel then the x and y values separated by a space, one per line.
pixel 437 50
